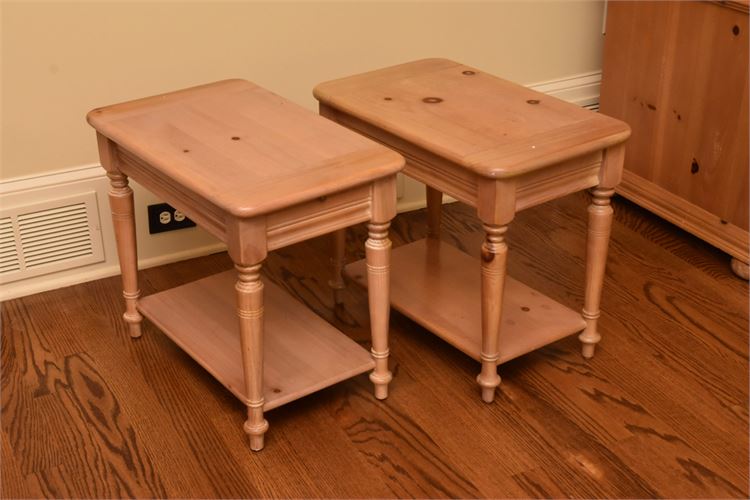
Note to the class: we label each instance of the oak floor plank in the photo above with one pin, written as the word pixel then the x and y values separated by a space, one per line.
pixel 13 481
pixel 400 450
pixel 639 301
pixel 661 411
pixel 536 483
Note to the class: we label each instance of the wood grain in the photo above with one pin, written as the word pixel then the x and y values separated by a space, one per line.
pixel 439 287
pixel 661 411
pixel 490 126
pixel 302 353
pixel 677 73
pixel 242 147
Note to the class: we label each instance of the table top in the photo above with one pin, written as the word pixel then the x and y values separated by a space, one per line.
pixel 492 126
pixel 243 148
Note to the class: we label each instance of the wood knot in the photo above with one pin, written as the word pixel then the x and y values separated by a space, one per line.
pixel 533 101
pixel 235 138
pixel 694 167
pixel 468 72
pixel 736 30
pixel 387 98
pixel 487 255
pixel 432 100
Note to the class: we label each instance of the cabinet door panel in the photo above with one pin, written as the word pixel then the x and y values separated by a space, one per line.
pixel 677 72
pixel 705 116
pixel 635 65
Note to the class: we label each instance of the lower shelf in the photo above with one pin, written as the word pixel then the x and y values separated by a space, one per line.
pixel 302 353
pixel 439 287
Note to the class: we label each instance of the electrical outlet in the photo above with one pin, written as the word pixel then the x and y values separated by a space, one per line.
pixel 163 217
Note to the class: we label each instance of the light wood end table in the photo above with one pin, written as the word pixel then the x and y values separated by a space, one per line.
pixel 259 173
pixel 499 147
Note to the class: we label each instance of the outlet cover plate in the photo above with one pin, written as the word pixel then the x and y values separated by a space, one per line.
pixel 161 218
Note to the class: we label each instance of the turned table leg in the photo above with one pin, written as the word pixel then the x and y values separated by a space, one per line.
pixel 494 256
pixel 599 229
pixel 249 289
pixel 434 212
pixel 123 219
pixel 378 257
pixel 338 259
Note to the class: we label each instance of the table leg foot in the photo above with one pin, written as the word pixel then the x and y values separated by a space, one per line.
pixel 134 325
pixel 256 426
pixel 380 376
pixel 381 389
pixel 489 383
pixel 587 350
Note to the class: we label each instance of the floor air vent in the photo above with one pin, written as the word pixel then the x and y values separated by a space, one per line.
pixel 593 106
pixel 9 260
pixel 48 237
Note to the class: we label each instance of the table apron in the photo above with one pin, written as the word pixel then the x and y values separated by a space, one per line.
pixel 461 183
pixel 320 216
pixel 201 211
pixel 284 227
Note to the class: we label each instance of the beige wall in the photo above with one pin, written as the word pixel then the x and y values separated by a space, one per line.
pixel 61 59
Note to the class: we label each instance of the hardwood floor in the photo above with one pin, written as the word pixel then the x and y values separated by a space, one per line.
pixel 661 410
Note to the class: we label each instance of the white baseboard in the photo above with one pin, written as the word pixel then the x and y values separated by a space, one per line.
pixel 54 281
pixel 164 248
pixel 580 89
pixel 153 250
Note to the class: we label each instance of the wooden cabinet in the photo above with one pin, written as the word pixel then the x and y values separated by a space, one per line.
pixel 677 72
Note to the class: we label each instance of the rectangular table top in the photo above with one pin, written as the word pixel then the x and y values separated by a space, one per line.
pixel 243 148
pixel 492 126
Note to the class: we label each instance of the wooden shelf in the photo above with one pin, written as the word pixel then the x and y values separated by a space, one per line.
pixel 438 286
pixel 302 353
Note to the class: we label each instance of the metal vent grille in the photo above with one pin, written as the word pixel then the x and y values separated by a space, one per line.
pixel 9 261
pixel 48 237
pixel 593 106
pixel 56 234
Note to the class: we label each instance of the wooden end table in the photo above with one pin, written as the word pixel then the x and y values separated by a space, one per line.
pixel 259 173
pixel 499 147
